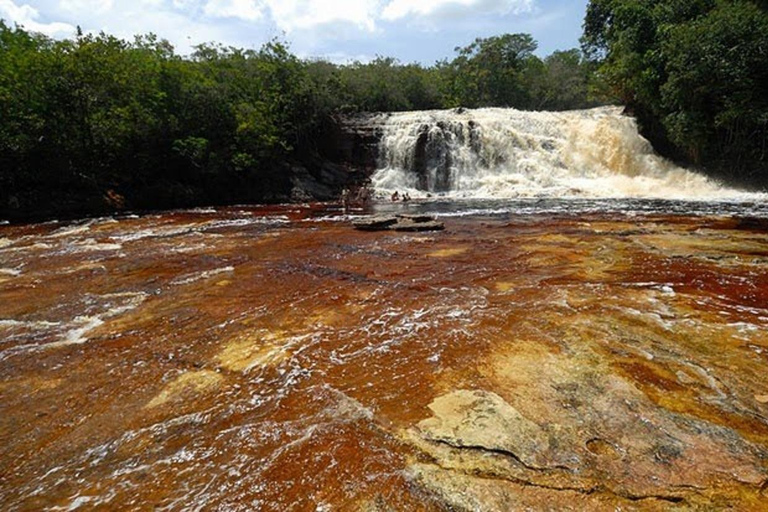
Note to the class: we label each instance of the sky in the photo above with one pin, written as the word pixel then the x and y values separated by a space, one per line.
pixel 339 30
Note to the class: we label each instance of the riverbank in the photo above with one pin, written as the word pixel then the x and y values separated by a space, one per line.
pixel 277 358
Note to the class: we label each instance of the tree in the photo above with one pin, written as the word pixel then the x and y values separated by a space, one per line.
pixel 694 71
pixel 489 72
pixel 95 123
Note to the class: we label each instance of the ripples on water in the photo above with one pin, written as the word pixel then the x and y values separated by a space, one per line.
pixel 275 359
pixel 453 207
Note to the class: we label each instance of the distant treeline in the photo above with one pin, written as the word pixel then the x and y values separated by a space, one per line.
pixel 96 123
pixel 694 72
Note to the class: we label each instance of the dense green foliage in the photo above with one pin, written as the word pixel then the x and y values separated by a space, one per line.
pixel 95 123
pixel 694 71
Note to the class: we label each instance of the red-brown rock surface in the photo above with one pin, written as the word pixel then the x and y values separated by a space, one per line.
pixel 253 359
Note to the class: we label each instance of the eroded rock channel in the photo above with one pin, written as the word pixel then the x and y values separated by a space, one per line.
pixel 271 360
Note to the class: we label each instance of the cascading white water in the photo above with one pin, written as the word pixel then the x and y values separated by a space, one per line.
pixel 506 153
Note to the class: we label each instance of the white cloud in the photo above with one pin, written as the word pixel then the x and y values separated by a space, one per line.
pixel 92 6
pixel 27 16
pixel 294 15
pixel 291 15
pixel 249 10
pixel 342 30
pixel 443 9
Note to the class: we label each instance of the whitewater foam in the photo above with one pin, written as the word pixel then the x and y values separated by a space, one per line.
pixel 507 154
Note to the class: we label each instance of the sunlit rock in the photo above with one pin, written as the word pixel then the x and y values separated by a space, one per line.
pixel 187 385
pixel 566 361
pixel 250 351
pixel 382 223
pixel 484 421
pixel 405 223
pixel 448 253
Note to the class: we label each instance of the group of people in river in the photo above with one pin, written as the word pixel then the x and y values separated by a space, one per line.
pixel 397 197
pixel 361 196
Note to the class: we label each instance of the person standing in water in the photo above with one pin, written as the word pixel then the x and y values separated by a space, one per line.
pixel 396 196
pixel 363 196
pixel 345 199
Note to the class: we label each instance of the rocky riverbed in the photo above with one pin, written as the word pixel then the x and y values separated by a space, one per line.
pixel 273 359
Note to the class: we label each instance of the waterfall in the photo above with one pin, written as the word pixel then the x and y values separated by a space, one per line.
pixel 506 153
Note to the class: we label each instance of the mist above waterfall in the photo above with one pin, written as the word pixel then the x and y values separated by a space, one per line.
pixel 506 153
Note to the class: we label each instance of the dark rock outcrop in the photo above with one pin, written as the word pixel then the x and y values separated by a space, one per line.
pixel 408 223
pixel 346 156
pixel 375 223
pixel 352 141
pixel 321 181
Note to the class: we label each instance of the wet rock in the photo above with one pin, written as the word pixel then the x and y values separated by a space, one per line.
pixel 415 217
pixel 259 350
pixel 375 223
pixel 448 253
pixel 406 223
pixel 413 226
pixel 483 420
pixel 352 140
pixel 187 385
pixel 378 504
pixel 460 491
pixel 536 450
pixel 321 181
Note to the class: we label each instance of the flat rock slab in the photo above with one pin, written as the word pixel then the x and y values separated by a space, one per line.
pixel 409 225
pixel 416 217
pixel 483 420
pixel 375 223
pixel 403 222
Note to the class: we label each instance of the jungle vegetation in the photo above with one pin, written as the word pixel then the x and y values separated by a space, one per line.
pixel 694 72
pixel 95 124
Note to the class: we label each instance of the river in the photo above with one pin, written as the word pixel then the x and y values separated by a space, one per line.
pixel 550 351
pixel 275 359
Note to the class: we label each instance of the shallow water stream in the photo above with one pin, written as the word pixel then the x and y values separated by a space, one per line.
pixel 558 356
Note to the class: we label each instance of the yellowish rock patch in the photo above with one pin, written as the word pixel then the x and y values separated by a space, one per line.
pixel 247 352
pixel 504 286
pixel 31 385
pixel 190 383
pixel 447 253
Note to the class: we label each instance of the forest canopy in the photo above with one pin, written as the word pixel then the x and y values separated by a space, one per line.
pixel 96 123
pixel 695 72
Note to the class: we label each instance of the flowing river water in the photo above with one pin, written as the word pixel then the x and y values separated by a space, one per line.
pixel 540 353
